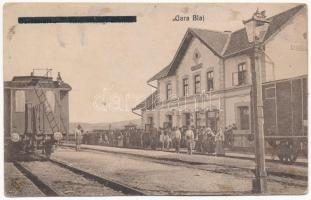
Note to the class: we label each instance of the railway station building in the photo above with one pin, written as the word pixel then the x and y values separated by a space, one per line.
pixel 208 82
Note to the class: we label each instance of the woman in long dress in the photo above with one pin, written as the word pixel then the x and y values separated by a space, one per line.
pixel 220 138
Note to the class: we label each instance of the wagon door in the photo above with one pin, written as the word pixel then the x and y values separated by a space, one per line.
pixel 297 107
pixel 269 103
pixel 284 108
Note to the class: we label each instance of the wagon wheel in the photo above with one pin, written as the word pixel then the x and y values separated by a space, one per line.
pixel 287 152
pixel 48 147
pixel 292 153
pixel 48 151
pixel 281 149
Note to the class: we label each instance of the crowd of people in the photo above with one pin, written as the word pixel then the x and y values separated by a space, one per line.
pixel 200 139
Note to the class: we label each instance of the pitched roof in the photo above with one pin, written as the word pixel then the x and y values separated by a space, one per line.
pixel 239 42
pixel 160 74
pixel 149 102
pixel 223 44
pixel 214 40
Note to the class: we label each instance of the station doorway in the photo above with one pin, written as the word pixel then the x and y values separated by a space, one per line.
pixel 186 120
pixel 168 122
pixel 212 118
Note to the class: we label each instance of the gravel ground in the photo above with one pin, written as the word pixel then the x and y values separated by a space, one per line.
pixel 158 178
pixel 154 178
pixel 17 185
pixel 67 183
pixel 203 159
pixel 218 168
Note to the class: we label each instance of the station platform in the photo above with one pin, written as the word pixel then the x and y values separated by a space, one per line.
pixel 233 160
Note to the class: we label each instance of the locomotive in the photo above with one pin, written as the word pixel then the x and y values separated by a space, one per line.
pixel 285 107
pixel 36 113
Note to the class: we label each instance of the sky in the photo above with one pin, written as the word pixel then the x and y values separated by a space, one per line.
pixel 107 65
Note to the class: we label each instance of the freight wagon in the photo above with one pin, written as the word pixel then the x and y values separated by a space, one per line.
pixel 36 113
pixel 285 105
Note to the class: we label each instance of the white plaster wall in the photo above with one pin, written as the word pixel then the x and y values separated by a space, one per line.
pixel 147 114
pixel 162 87
pixel 209 61
pixel 288 49
pixel 231 66
pixel 230 107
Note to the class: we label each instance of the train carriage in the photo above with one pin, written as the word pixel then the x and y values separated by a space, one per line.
pixel 285 104
pixel 36 112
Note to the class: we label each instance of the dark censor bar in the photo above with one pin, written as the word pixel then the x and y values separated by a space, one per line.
pixel 77 19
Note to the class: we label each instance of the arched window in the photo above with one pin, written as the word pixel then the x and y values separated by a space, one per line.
pixel 50 100
pixel 20 101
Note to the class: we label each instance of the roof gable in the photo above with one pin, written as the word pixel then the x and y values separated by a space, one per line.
pixel 223 44
pixel 214 40
pixel 239 42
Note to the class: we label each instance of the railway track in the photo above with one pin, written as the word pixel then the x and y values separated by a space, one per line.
pixel 42 186
pixel 56 178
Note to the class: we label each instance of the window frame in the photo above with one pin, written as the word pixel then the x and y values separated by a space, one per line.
pixel 185 86
pixel 210 78
pixel 240 109
pixel 197 82
pixel 242 72
pixel 168 91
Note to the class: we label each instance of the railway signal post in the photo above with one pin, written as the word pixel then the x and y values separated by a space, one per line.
pixel 256 29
